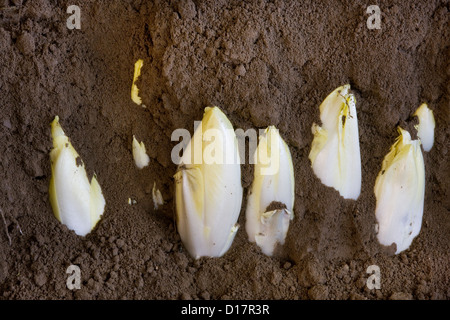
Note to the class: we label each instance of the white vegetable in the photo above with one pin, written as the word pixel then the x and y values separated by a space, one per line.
pixel 157 197
pixel 335 154
pixel 271 196
pixel 208 195
pixel 399 191
pixel 76 203
pixel 141 159
pixel 425 128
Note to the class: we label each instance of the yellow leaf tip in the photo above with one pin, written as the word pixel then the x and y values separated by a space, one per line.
pixel 134 89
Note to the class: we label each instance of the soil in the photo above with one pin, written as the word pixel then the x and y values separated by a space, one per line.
pixel 264 63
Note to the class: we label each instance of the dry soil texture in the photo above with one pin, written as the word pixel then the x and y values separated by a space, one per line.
pixel 264 63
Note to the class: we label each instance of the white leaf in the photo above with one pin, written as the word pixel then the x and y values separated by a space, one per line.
pixel 208 195
pixel 271 196
pixel 425 128
pixel 76 203
pixel 157 197
pixel 399 191
pixel 141 159
pixel 335 153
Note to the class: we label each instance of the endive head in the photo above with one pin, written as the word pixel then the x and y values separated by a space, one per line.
pixel 208 194
pixel 271 196
pixel 335 153
pixel 399 191
pixel 76 203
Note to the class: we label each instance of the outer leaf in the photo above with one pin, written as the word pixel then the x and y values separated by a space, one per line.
pixel 335 153
pixel 426 126
pixel 264 225
pixel 141 159
pixel 157 197
pixel 274 227
pixel 399 190
pixel 75 202
pixel 209 195
pixel 97 202
pixel 190 198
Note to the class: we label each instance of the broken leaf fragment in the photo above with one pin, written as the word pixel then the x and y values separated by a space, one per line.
pixel 134 89
pixel 141 159
pixel 335 152
pixel 399 191
pixel 425 128
pixel 271 196
pixel 76 203
pixel 208 195
pixel 157 197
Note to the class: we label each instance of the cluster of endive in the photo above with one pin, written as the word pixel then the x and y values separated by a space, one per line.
pixel 400 185
pixel 209 194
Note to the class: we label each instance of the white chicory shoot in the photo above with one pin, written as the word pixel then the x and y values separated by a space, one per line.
pixel 425 128
pixel 157 197
pixel 208 195
pixel 271 196
pixel 399 191
pixel 335 153
pixel 141 159
pixel 76 203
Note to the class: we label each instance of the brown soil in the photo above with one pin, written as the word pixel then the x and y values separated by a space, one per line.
pixel 264 63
